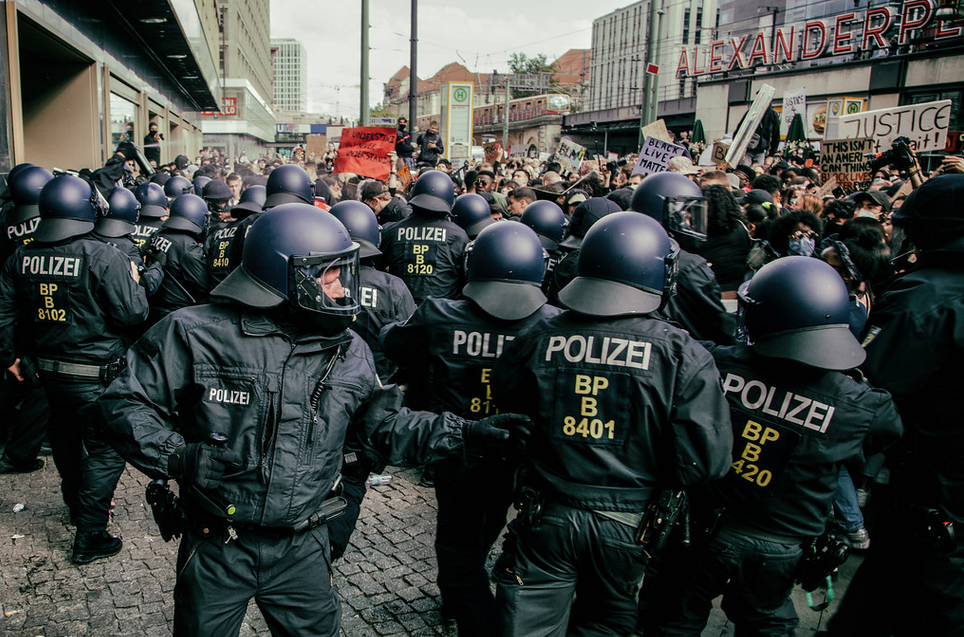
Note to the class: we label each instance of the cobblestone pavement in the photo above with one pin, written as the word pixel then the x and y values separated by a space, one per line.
pixel 386 579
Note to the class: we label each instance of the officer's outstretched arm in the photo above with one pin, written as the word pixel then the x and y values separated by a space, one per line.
pixel 140 403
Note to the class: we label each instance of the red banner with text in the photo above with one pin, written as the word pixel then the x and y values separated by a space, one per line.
pixel 364 151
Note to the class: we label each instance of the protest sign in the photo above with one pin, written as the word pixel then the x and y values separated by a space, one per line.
pixel 570 155
pixel 734 156
pixel 658 130
pixel 719 152
pixel 847 162
pixel 316 144
pixel 827 188
pixel 364 151
pixel 924 124
pixel 793 102
pixel 654 155
pixel 518 150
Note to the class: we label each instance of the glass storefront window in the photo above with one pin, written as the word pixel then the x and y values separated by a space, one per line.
pixel 122 120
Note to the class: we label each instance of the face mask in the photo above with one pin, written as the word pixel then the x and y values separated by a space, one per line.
pixel 803 246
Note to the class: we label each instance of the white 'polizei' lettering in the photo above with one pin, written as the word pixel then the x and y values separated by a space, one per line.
pixel 787 406
pixel 23 229
pixel 50 265
pixel 479 344
pixel 421 234
pixel 608 350
pixel 229 396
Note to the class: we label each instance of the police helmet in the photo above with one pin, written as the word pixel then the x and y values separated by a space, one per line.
pixel 584 216
pixel 252 200
pixel 121 215
pixel 160 178
pixel 288 184
pixel 931 213
pixel 13 171
pixel 68 208
pixel 798 308
pixel 675 201
pixel 303 255
pixel 188 213
pixel 152 199
pixel 217 193
pixel 25 183
pixel 548 221
pixel 362 225
pixel 504 268
pixel 433 191
pixel 472 213
pixel 177 186
pixel 627 265
pixel 199 182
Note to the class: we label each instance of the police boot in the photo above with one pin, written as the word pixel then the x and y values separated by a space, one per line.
pixel 93 545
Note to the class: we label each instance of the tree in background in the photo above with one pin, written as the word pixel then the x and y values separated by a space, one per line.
pixel 522 64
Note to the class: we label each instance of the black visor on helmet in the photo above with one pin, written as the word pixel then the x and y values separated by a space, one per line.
pixel 686 215
pixel 326 284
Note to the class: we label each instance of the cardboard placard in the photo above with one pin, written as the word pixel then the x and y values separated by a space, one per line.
pixel 719 152
pixel 570 155
pixel 846 161
pixel 827 188
pixel 364 151
pixel 658 130
pixel 316 144
pixel 741 140
pixel 654 155
pixel 924 124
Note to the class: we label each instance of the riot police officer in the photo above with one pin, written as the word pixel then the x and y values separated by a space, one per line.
pixel 117 225
pixel 471 212
pixel 623 405
pixel 796 420
pixel 275 373
pixel 583 217
pixel 453 345
pixel 152 214
pixel 73 296
pixel 425 250
pixel 177 186
pixel 549 222
pixel 178 250
pixel 22 398
pixel 217 247
pixel 20 220
pixel 913 350
pixel 678 204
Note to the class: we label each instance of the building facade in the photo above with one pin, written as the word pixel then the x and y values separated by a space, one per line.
pixel 79 77
pixel 290 62
pixel 245 121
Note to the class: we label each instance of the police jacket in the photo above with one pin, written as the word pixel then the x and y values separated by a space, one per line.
pixel 697 305
pixel 218 253
pixel 17 225
pixel 562 268
pixel 451 346
pixel 394 210
pixel 284 399
pixel 426 252
pixel 793 427
pixel 428 155
pixel 144 229
pixel 185 273
pixel 125 244
pixel 384 300
pixel 73 300
pixel 621 407
pixel 914 350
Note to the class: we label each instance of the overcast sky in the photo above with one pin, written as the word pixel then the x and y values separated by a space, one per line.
pixel 480 35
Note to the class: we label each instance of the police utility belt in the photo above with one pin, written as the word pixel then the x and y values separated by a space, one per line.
pixel 105 373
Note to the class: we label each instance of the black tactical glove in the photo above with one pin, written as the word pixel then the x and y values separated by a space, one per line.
pixel 156 257
pixel 201 464
pixel 494 431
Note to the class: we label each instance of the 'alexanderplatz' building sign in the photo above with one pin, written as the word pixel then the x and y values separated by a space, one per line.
pixel 882 27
